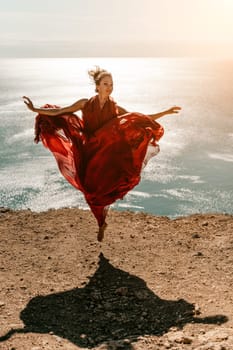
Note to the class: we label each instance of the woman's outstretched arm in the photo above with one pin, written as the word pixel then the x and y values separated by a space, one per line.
pixel 121 110
pixel 172 110
pixel 77 106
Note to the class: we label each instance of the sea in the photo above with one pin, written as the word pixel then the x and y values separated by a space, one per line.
pixel 193 173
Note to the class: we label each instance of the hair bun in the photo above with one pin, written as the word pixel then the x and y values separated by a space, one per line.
pixel 97 73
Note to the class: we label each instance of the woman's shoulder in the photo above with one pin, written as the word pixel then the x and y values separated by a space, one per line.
pixel 112 99
pixel 92 99
pixel 81 104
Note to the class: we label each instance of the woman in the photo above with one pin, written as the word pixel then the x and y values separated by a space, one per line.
pixel 102 153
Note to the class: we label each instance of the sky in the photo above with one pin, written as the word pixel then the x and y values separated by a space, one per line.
pixel 83 28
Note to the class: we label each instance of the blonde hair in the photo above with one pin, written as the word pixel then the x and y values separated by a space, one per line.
pixel 97 74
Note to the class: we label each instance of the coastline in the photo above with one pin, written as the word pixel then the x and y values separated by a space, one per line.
pixel 180 269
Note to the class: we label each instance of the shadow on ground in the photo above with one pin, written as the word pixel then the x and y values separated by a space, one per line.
pixel 114 305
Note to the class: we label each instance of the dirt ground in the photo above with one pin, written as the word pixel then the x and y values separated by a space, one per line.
pixel 153 283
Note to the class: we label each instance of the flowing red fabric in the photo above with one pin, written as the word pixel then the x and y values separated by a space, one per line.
pixel 104 161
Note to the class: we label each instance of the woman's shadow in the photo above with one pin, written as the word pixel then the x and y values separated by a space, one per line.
pixel 114 305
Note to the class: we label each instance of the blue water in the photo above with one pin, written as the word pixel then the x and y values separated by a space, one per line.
pixel 193 172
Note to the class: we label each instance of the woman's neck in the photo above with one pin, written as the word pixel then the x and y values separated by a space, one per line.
pixel 102 99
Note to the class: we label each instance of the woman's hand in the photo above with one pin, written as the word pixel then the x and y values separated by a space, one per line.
pixel 174 109
pixel 28 103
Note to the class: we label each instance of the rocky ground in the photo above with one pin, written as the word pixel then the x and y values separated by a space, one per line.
pixel 153 283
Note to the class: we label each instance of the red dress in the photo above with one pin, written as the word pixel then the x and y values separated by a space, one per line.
pixel 101 154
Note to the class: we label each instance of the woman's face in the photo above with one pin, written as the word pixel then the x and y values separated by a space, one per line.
pixel 105 86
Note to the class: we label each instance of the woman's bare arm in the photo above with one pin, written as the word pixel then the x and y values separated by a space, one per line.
pixel 77 106
pixel 171 110
pixel 155 116
pixel 121 110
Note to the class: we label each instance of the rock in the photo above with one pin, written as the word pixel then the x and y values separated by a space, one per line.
pixel 198 254
pixel 212 346
pixel 205 223
pixel 4 210
pixel 167 345
pixel 141 294
pixel 180 337
pixel 196 235
pixel 83 336
pixel 215 335
pixel 122 291
pixel 58 339
pixel 197 310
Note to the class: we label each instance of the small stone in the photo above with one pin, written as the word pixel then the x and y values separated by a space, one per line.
pixel 174 329
pixel 205 223
pixel 122 291
pixel 141 294
pixel 180 338
pixel 4 210
pixel 198 254
pixel 58 339
pixel 197 310
pixel 195 235
pixel 167 345
pixel 187 340
pixel 216 335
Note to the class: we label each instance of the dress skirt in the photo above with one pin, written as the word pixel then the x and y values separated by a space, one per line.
pixel 106 165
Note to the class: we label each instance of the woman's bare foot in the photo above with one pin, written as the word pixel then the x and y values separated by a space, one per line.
pixel 100 235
